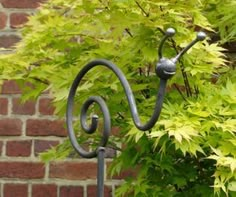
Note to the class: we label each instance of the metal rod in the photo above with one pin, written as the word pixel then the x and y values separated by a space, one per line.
pixel 200 37
pixel 169 33
pixel 100 172
pixel 106 116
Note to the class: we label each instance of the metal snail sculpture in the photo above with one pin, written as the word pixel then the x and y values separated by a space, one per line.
pixel 165 69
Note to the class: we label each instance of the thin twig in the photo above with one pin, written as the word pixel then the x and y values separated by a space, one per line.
pixel 120 115
pixel 196 89
pixel 128 31
pixel 149 69
pixel 163 32
pixel 184 74
pixel 186 82
pixel 140 71
pixel 141 8
pixel 41 81
pixel 177 88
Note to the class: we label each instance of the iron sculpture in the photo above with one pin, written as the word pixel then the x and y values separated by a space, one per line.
pixel 165 69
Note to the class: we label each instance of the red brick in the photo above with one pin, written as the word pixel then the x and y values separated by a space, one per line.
pixel 3 20
pixel 45 106
pixel 124 174
pixel 18 148
pixel 27 108
pixel 3 106
pixel 10 87
pixel 22 170
pixel 8 41
pixel 35 127
pixel 71 191
pixel 116 131
pixel 13 190
pixel 18 19
pixel 73 170
pixel 43 190
pixel 92 191
pixel 43 145
pixel 21 3
pixel 10 127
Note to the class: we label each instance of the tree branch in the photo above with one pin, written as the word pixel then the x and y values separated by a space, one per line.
pixel 141 8
pixel 177 88
pixel 128 32
pixel 184 74
pixel 41 81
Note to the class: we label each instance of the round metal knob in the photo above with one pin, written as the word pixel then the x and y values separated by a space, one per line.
pixel 201 36
pixel 170 32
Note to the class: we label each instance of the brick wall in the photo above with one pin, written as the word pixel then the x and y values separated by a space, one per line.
pixel 13 14
pixel 30 128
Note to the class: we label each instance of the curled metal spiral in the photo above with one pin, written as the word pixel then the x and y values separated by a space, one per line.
pixel 165 69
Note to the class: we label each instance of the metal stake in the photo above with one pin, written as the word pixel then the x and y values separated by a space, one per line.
pixel 100 172
pixel 165 69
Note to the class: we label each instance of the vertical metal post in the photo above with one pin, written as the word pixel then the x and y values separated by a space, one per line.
pixel 100 172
